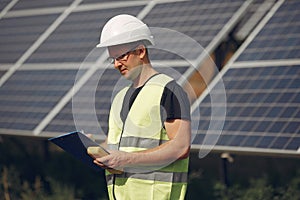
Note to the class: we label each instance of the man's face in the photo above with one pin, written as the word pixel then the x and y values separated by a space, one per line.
pixel 126 59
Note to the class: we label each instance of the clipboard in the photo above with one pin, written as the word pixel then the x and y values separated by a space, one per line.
pixel 77 143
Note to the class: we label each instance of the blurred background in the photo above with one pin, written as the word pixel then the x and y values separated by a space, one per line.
pixel 238 61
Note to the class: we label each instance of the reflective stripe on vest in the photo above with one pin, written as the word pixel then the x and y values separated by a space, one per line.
pixel 144 143
pixel 175 177
pixel 143 129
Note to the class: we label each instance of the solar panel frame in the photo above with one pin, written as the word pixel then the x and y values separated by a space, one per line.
pixel 18 34
pixel 184 17
pixel 146 15
pixel 279 132
pixel 277 40
pixel 38 4
pixel 260 110
pixel 105 81
pixel 94 1
pixel 235 139
pixel 62 46
pixel 29 95
pixel 4 4
pixel 2 72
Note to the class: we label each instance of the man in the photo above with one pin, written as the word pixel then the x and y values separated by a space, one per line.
pixel 149 123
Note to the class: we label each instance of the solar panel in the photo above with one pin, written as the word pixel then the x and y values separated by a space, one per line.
pixel 18 34
pixel 38 4
pixel 263 108
pixel 263 98
pixel 76 37
pixel 99 86
pixel 30 94
pixel 206 22
pixel 95 1
pixel 90 116
pixel 280 37
pixel 3 4
pixel 2 72
pixel 200 20
pixel 64 120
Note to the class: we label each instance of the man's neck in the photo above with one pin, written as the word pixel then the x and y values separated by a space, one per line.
pixel 146 73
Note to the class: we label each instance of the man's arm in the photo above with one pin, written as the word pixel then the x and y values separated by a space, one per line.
pixel 179 133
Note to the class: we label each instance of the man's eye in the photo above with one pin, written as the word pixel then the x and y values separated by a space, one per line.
pixel 122 56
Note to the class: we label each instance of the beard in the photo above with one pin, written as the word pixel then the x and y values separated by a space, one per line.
pixel 133 73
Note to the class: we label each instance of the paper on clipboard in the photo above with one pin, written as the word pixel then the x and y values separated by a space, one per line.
pixel 76 143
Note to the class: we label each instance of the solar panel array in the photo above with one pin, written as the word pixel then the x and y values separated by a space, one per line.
pixel 29 95
pixel 33 4
pixel 18 34
pixel 279 39
pixel 262 88
pixel 44 44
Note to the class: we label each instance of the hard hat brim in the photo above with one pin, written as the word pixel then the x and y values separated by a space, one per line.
pixel 140 34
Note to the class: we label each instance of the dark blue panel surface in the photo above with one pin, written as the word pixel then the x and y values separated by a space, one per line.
pixel 29 95
pixel 1 73
pixel 201 20
pixel 92 103
pixel 262 109
pixel 18 34
pixel 3 4
pixel 279 38
pixel 95 1
pixel 77 36
pixel 35 4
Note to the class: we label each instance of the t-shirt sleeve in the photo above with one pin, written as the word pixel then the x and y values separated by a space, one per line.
pixel 175 103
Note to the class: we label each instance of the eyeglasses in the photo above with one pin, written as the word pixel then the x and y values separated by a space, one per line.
pixel 123 57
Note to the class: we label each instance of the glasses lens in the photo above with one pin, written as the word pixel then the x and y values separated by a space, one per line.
pixel 111 60
pixel 123 57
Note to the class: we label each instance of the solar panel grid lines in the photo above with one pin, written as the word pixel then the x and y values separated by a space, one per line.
pixel 17 35
pixel 192 14
pixel 82 103
pixel 253 34
pixel 5 6
pixel 262 99
pixel 43 55
pixel 80 79
pixel 107 1
pixel 100 86
pixel 293 142
pixel 38 42
pixel 219 36
pixel 252 17
pixel 2 72
pixel 76 36
pixel 270 121
pixel 37 4
pixel 30 95
pixel 68 96
pixel 279 39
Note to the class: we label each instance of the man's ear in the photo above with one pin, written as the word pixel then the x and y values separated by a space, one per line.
pixel 142 51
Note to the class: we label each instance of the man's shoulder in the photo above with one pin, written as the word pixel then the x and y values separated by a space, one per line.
pixel 160 78
pixel 174 86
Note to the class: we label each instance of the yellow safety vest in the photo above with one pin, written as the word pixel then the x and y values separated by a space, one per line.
pixel 142 130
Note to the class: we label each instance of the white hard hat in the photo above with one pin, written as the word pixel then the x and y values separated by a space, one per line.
pixel 123 29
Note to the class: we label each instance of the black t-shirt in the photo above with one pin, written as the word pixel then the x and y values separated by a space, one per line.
pixel 174 102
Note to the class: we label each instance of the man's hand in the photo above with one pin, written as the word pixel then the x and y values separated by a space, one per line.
pixel 115 160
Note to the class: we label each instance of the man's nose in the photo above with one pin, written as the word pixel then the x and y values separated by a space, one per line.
pixel 117 64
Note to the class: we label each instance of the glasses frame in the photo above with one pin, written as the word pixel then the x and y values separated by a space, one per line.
pixel 123 57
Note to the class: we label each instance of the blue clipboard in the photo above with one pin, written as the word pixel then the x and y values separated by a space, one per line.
pixel 76 143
